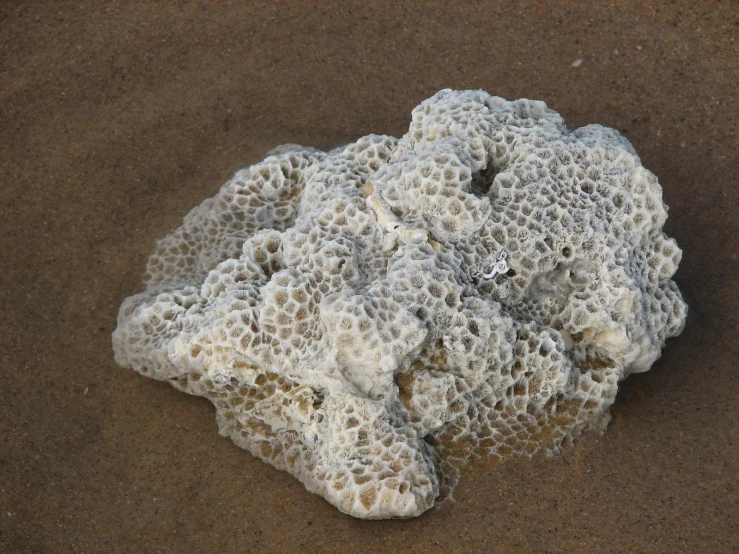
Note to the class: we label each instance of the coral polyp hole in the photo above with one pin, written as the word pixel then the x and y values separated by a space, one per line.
pixel 482 180
pixel 587 187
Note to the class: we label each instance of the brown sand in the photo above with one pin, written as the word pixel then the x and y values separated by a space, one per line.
pixel 116 119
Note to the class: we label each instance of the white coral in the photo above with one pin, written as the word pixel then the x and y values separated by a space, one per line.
pixel 330 304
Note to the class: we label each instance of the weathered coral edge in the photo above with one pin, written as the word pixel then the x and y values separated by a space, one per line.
pixel 368 317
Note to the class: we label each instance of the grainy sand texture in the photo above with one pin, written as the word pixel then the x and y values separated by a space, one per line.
pixel 116 118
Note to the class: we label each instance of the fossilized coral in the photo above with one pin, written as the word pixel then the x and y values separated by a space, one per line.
pixel 367 317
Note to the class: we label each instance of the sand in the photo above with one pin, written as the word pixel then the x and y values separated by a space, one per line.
pixel 117 118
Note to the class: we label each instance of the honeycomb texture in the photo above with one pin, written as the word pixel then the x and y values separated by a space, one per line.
pixel 339 311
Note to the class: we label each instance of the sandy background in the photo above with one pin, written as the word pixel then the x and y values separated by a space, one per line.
pixel 117 118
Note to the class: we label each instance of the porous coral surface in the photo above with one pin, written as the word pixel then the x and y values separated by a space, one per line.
pixel 368 317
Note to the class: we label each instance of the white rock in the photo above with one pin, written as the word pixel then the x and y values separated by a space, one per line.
pixel 330 305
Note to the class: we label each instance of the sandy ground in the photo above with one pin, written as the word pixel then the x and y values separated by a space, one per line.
pixel 117 118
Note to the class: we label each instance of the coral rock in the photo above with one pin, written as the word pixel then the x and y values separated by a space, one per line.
pixel 368 317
